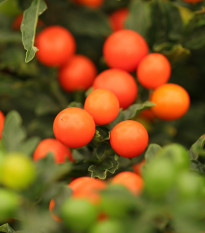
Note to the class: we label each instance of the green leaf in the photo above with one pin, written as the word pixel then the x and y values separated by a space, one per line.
pixel 131 112
pixel 29 146
pixel 197 167
pixel 139 18
pixel 152 151
pixel 6 228
pixel 101 169
pixel 198 148
pixel 115 166
pixel 194 36
pixel 174 52
pixel 103 149
pixel 12 58
pixel 49 176
pixel 46 105
pixel 75 104
pixel 28 27
pixel 50 172
pixel 13 133
pixel 166 22
pixel 95 23
pixel 135 109
pixel 101 134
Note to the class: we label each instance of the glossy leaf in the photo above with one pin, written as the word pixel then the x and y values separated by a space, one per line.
pixel 28 27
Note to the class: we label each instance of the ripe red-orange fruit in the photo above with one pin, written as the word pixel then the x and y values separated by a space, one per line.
pixel 153 70
pixel 124 49
pixel 102 105
pixel 121 83
pixel 2 117
pixel 171 101
pixel 87 188
pixel 117 19
pixel 130 180
pixel 77 74
pixel 51 208
pixel 74 127
pixel 138 167
pixel 90 3
pixel 51 145
pixel 56 45
pixel 129 138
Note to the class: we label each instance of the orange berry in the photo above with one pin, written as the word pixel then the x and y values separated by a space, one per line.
pixel 121 83
pixel 102 105
pixel 129 138
pixel 124 49
pixel 2 117
pixel 117 19
pixel 130 180
pixel 172 101
pixel 51 145
pixel 56 45
pixel 153 70
pixel 77 74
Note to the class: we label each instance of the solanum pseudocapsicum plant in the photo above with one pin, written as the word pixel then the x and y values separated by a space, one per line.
pixel 98 120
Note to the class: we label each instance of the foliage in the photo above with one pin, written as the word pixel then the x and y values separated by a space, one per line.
pixel 31 97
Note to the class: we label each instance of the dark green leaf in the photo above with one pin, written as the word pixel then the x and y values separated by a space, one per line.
pixel 6 228
pixel 152 151
pixel 13 133
pixel 46 105
pixel 194 37
pixel 111 5
pixel 95 23
pixel 101 134
pixel 28 27
pixel 174 52
pixel 197 167
pixel 75 104
pixel 11 58
pixel 166 22
pixel 101 169
pixel 24 4
pixel 103 149
pixel 135 109
pixel 50 172
pixel 115 166
pixel 130 113
pixel 139 18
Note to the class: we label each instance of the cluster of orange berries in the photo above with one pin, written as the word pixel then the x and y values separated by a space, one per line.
pixel 88 188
